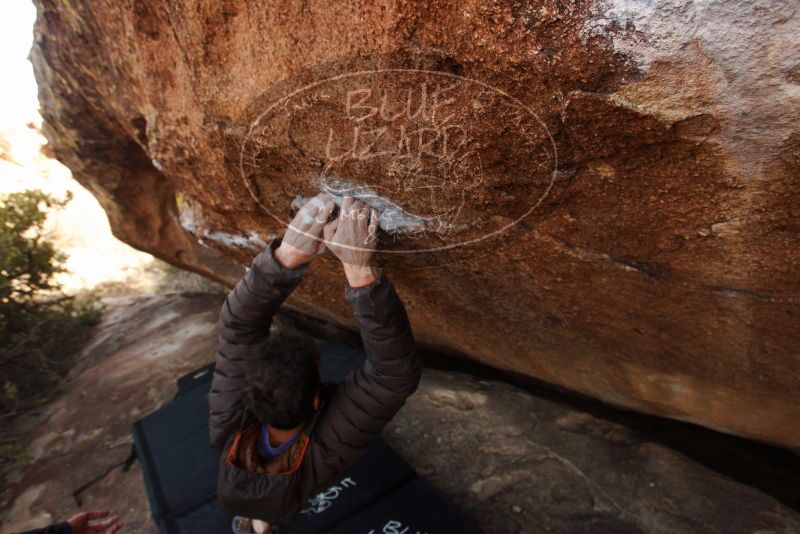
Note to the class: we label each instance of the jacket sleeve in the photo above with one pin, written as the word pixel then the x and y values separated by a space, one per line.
pixel 60 528
pixel 373 393
pixel 244 323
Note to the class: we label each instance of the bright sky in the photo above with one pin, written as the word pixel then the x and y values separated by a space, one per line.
pixel 18 94
pixel 81 229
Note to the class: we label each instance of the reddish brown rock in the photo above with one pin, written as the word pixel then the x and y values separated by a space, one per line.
pixel 618 211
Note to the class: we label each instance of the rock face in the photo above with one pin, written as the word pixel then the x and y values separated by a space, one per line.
pixel 605 196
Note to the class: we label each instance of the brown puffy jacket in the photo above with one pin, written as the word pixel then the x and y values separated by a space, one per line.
pixel 352 414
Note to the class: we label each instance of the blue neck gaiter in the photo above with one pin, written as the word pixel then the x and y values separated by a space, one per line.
pixel 266 451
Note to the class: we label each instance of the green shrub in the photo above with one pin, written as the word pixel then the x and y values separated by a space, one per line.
pixel 41 328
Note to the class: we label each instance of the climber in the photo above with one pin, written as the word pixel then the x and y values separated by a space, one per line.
pixel 283 434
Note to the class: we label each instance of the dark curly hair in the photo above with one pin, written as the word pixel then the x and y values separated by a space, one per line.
pixel 283 379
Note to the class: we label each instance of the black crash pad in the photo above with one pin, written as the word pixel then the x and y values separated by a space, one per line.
pixel 380 495
pixel 178 463
pixel 375 475
pixel 415 508
pixel 337 360
pixel 199 377
pixel 180 467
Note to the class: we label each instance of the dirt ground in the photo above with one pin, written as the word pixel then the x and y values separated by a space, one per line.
pixel 129 369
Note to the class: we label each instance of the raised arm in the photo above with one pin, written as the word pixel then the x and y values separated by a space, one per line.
pixel 248 309
pixel 372 394
pixel 244 323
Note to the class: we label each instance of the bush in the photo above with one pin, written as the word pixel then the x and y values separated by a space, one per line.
pixel 41 328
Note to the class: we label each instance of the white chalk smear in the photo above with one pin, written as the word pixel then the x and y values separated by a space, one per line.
pixel 750 50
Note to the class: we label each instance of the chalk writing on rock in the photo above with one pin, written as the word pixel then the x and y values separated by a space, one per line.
pixel 447 161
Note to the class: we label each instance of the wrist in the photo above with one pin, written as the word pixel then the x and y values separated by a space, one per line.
pixel 74 523
pixel 360 275
pixel 290 257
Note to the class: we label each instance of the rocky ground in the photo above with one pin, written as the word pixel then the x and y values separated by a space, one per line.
pixel 128 370
pixel 512 461
pixel 517 463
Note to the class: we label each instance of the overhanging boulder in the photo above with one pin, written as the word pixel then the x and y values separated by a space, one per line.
pixel 603 196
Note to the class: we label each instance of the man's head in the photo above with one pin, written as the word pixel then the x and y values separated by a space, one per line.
pixel 283 381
